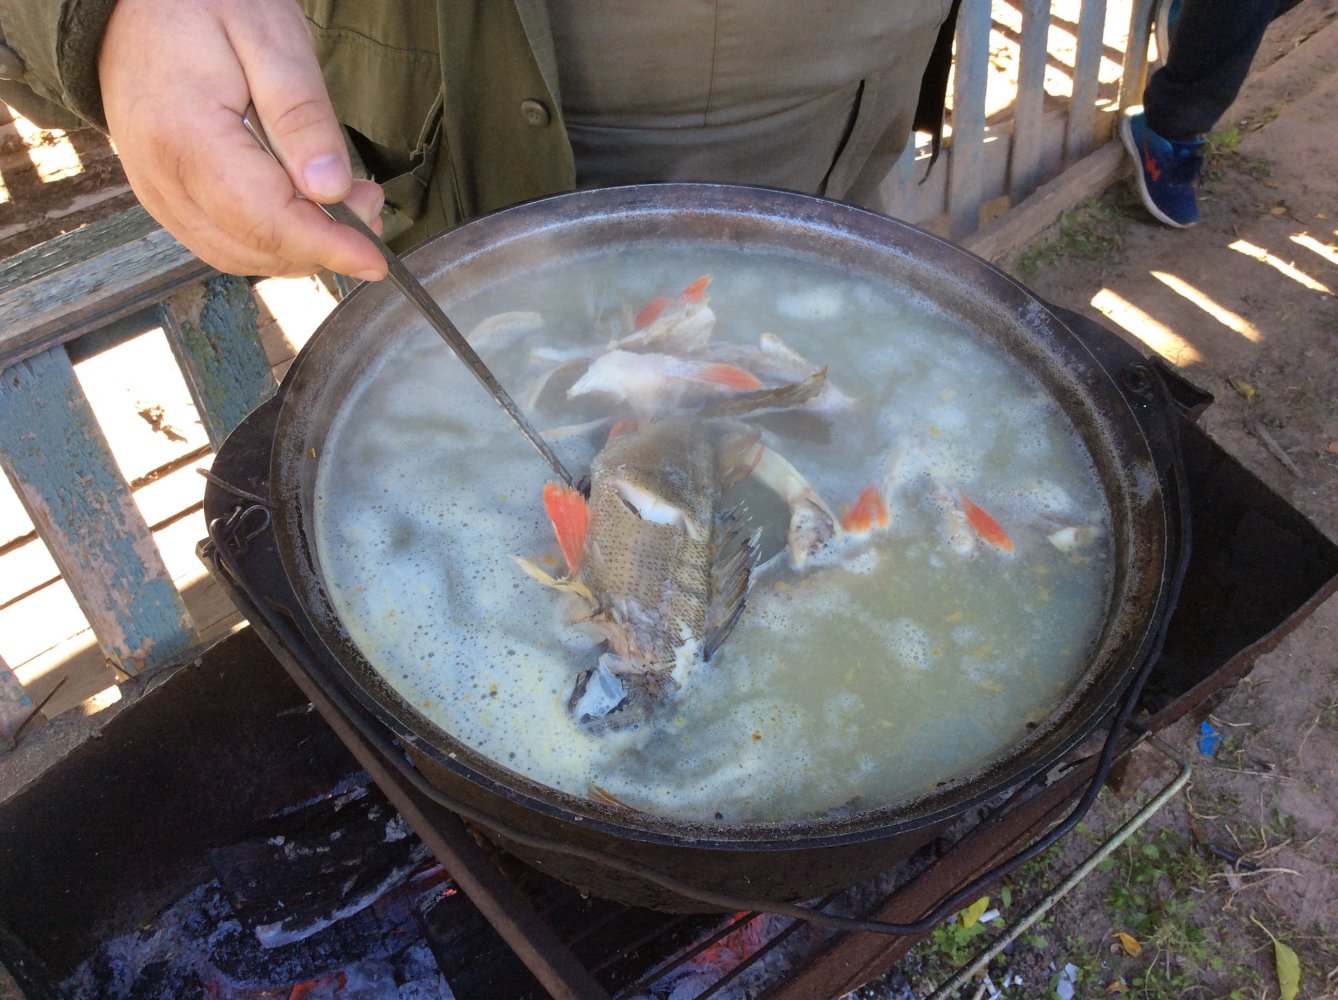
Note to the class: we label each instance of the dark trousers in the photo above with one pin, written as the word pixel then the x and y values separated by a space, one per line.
pixel 1211 50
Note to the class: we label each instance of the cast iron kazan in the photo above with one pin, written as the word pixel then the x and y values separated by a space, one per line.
pixel 781 861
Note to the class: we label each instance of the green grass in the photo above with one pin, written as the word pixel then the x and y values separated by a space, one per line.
pixel 1090 231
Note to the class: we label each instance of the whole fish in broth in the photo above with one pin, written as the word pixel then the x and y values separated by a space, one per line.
pixel 663 570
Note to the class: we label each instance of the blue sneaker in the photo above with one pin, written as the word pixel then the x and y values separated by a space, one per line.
pixel 1166 171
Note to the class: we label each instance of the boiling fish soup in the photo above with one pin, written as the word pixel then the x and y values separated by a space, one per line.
pixel 947 601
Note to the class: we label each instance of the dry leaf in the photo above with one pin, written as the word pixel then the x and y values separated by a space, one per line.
pixel 1129 943
pixel 1332 448
pixel 1243 388
pixel 1117 986
pixel 972 914
pixel 1279 209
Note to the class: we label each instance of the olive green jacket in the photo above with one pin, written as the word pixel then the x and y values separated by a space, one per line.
pixel 452 105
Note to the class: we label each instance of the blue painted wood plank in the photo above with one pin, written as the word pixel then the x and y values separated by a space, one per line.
pixel 15 706
pixel 57 459
pixel 1080 138
pixel 214 335
pixel 970 75
pixel 1024 166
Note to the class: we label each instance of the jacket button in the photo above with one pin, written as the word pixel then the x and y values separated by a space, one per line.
pixel 535 113
pixel 11 66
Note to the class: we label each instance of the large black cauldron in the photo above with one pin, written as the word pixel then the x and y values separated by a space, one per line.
pixel 786 861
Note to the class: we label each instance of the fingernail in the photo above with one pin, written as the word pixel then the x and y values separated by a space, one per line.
pixel 370 274
pixel 327 176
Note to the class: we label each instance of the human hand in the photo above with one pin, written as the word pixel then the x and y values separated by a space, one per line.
pixel 176 77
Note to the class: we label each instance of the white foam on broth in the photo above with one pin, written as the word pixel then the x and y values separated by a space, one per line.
pixel 863 681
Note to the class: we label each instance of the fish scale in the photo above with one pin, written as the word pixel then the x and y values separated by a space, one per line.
pixel 659 571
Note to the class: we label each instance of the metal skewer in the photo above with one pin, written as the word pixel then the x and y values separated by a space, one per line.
pixel 405 281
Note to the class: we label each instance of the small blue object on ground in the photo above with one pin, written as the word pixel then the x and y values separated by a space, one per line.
pixel 1165 170
pixel 1209 738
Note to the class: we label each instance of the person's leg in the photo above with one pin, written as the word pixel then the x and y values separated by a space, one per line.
pixel 1211 49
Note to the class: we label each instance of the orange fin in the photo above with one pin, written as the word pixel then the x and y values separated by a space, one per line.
pixel 570 515
pixel 621 426
pixel 696 291
pixel 650 312
pixel 985 526
pixel 869 511
pixel 718 373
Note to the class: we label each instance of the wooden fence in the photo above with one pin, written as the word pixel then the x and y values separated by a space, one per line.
pixel 96 286
pixel 1007 155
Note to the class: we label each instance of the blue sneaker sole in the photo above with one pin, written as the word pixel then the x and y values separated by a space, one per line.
pixel 1127 136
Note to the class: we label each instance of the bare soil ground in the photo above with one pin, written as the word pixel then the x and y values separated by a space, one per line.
pixel 1243 304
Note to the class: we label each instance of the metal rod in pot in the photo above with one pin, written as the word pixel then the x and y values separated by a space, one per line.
pixel 405 281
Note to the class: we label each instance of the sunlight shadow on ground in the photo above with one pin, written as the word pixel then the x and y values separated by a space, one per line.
pixel 1152 332
pixel 53 159
pixel 1234 322
pixel 1324 250
pixel 1286 269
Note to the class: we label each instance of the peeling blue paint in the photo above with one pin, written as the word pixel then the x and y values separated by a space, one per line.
pixel 57 459
pixel 214 335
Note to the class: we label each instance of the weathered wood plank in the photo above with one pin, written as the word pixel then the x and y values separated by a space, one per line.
pixel 59 463
pixel 1136 54
pixel 899 188
pixel 212 329
pixel 85 279
pixel 1024 167
pixel 970 75
pixel 1018 227
pixel 1081 137
pixel 926 202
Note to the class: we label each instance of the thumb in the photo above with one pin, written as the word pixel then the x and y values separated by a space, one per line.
pixel 294 106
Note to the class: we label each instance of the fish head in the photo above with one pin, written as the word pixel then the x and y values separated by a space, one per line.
pixel 662 473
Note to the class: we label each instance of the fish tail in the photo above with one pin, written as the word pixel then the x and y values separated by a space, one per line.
pixel 869 511
pixel 986 526
pixel 791 394
pixel 570 514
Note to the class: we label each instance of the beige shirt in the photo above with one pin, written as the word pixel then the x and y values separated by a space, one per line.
pixel 810 95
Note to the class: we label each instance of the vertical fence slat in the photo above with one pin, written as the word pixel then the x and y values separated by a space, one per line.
pixel 1136 54
pixel 1080 137
pixel 214 334
pixel 899 187
pixel 15 706
pixel 1024 161
pixel 970 75
pixel 57 458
